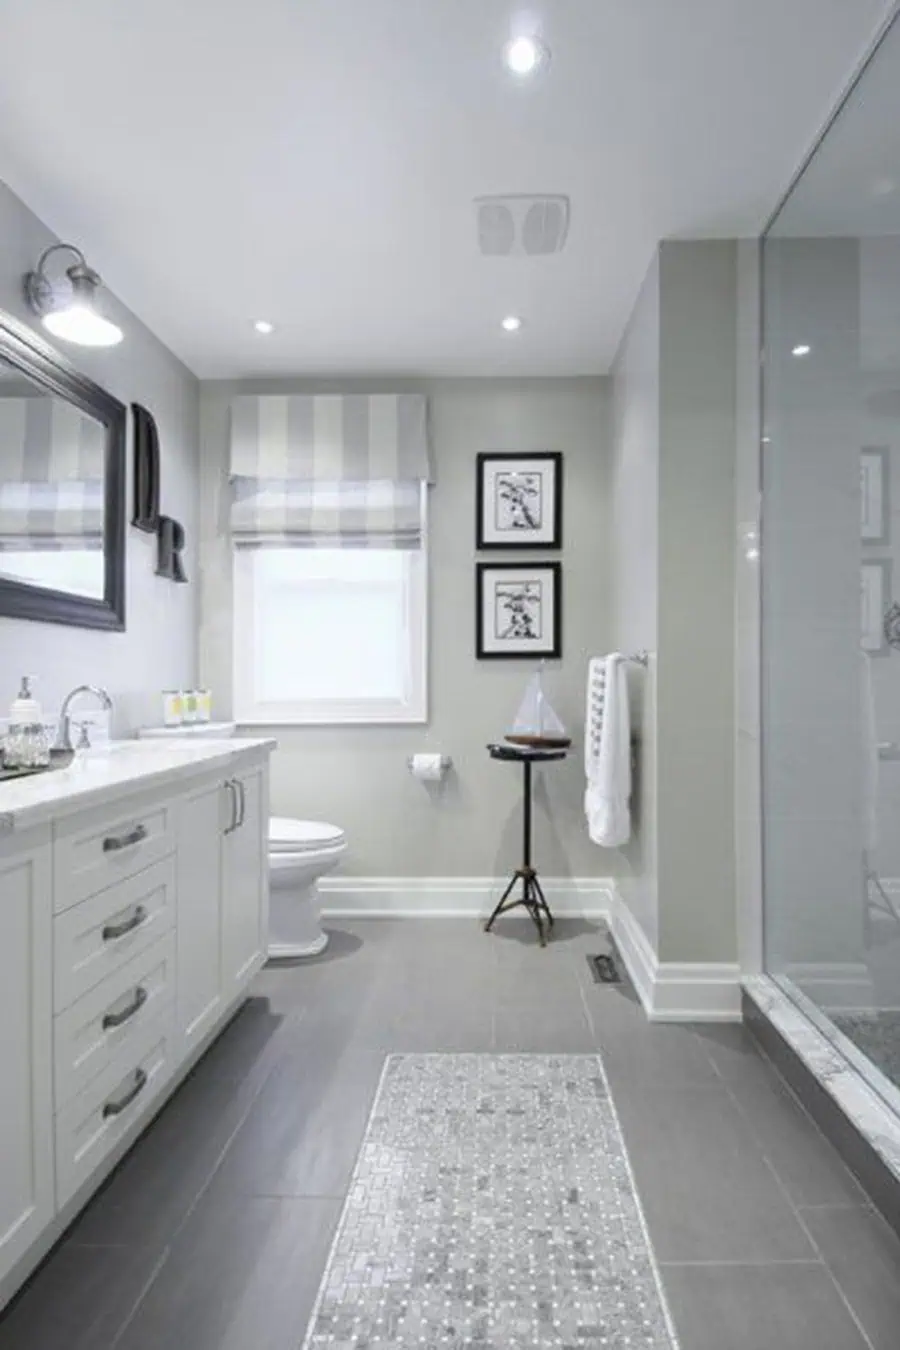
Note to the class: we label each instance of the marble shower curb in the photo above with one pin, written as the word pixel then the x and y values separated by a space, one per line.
pixel 856 1103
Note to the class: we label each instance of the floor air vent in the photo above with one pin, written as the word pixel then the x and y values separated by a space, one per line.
pixel 604 969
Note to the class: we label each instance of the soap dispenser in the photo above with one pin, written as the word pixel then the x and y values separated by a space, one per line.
pixel 27 744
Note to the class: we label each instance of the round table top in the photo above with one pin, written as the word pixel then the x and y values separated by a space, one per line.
pixel 521 753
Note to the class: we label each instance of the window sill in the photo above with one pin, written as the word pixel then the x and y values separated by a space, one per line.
pixel 406 719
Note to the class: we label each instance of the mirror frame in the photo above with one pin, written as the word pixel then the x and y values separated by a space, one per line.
pixel 21 347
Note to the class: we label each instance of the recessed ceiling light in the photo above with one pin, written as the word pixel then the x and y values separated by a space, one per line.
pixel 263 326
pixel 801 349
pixel 767 440
pixel 511 324
pixel 525 55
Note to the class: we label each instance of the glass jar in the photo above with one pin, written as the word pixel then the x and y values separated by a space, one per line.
pixel 173 708
pixel 27 746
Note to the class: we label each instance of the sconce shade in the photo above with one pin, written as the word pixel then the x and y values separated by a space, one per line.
pixel 70 313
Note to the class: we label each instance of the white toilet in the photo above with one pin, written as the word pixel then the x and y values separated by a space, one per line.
pixel 300 852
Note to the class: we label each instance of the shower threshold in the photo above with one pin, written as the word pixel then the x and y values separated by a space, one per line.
pixel 852 1102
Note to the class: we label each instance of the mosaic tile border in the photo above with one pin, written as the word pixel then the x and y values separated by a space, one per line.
pixel 859 1102
pixel 492 1205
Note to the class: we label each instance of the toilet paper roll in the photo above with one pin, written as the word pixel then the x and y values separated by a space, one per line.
pixel 427 768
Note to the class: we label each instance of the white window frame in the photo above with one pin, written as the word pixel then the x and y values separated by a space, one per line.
pixel 249 711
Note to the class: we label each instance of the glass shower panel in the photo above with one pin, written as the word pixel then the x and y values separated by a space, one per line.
pixel 830 575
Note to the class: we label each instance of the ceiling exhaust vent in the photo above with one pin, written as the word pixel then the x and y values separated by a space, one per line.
pixel 521 225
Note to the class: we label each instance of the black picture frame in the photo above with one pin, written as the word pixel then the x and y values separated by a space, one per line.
pixel 544 462
pixel 549 645
pixel 22 348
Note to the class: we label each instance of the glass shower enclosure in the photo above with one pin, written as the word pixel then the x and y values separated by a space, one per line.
pixel 830 585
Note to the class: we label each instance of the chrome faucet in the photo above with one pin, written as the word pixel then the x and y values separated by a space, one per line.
pixel 64 727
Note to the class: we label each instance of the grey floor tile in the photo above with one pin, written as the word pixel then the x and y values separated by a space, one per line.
pixel 736 1053
pixel 243 1273
pixel 236 1187
pixel 768 1307
pixel 707 1191
pixel 154 1187
pixel 79 1299
pixel 549 1029
pixel 246 1046
pixel 634 1049
pixel 863 1254
pixel 304 1130
pixel 348 966
pixel 808 1166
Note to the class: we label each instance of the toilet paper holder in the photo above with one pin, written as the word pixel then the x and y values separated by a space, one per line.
pixel 446 763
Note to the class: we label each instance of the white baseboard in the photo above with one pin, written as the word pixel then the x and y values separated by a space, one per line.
pixel 454 897
pixel 675 991
pixel 669 991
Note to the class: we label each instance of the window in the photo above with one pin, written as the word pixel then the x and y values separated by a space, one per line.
pixel 330 634
pixel 328 525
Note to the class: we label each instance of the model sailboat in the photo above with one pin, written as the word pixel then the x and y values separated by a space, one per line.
pixel 537 726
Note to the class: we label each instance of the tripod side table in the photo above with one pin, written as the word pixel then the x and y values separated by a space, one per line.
pixel 532 897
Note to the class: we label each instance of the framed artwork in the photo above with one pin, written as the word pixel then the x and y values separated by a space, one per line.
pixel 518 610
pixel 875 602
pixel 518 500
pixel 875 494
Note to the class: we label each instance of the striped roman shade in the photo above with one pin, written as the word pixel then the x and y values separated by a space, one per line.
pixel 52 491
pixel 329 470
pixel 51 516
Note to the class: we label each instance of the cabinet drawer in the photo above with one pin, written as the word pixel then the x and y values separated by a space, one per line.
pixel 94 1121
pixel 102 1024
pixel 98 848
pixel 102 934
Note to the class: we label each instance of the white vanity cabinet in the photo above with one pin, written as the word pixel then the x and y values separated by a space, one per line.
pixel 245 888
pixel 202 819
pixel 130 928
pixel 26 1040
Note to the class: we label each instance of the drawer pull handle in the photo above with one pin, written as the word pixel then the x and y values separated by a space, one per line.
pixel 112 931
pixel 232 786
pixel 116 1019
pixel 116 1108
pixel 114 842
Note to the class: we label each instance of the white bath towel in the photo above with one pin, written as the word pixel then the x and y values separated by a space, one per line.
pixel 607 752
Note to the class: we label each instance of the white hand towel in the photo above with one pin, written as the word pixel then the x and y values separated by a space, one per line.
pixel 608 753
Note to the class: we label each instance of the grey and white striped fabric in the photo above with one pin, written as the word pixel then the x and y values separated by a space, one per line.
pixel 51 476
pixel 338 471
pixel 38 517
pixel 46 440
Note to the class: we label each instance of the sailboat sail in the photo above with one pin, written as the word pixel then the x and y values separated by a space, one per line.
pixel 536 724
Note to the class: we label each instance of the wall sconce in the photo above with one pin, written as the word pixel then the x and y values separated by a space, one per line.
pixel 68 309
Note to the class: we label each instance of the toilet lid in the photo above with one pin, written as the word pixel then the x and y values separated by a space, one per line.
pixel 294 836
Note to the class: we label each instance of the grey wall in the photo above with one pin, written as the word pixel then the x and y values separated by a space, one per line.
pixel 698 371
pixel 357 776
pixel 674 490
pixel 158 648
pixel 635 536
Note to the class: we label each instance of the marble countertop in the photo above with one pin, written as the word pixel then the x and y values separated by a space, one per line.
pixel 110 771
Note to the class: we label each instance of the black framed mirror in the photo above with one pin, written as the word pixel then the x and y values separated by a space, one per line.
pixel 62 488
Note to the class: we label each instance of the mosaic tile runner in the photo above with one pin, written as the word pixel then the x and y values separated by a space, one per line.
pixel 492 1208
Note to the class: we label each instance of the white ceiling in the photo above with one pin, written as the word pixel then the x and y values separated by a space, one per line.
pixel 313 162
